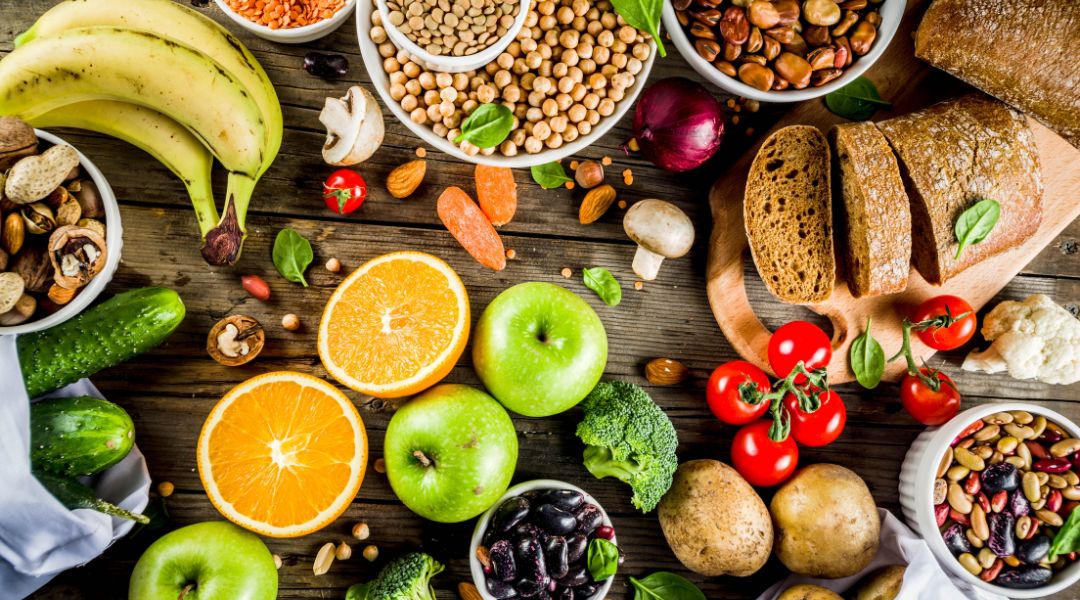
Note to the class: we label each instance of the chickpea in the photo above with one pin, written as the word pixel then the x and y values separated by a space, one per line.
pixel 570 134
pixel 508 148
pixel 453 133
pixel 518 137
pixel 580 24
pixel 397 91
pixel 492 67
pixel 592 116
pixel 489 152
pixel 533 59
pixel 461 81
pixel 541 130
pixel 528 45
pixel 578 92
pixel 569 57
pixel 601 55
pixel 640 51
pixel 536 98
pixel 519 111
pixel 470 105
pixel 486 93
pixel 605 38
pixel 443 80
pixel 587 66
pixel 594 27
pixel 398 78
pixel 593 14
pixel 590 100
pixel 616 94
pixel 546 7
pixel 439 129
pixel 558 123
pixel 609 71
pixel 387 50
pixel 530 20
pixel 580 7
pixel 431 97
pixel 418 116
pixel 550 107
pixel 633 66
pixel 619 46
pixel 446 108
pixel 502 79
pixel 534 114
pixel 526 81
pixel 519 68
pixel 576 74
pixel 565 15
pixel 568 38
pixel 411 69
pixel 505 60
pixel 565 84
pixel 390 65
pixel 533 145
pixel 548 22
pixel 434 114
pixel 551 38
pixel 585 49
pixel 577 113
pixel 584 128
pixel 469 148
pixel 511 93
pixel 409 102
pixel 554 141
pixel 545 69
pixel 545 52
pixel 618 60
pixel 427 80
pixel 607 19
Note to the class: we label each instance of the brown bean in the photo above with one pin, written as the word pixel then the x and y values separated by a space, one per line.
pixel 757 76
pixel 843 53
pixel 873 18
pixel 763 14
pixel 821 12
pixel 849 20
pixel 754 58
pixel 789 11
pixel 1050 517
pixel 1000 418
pixel 708 17
pixel 941 487
pixel 816 35
pixel 783 35
pixel 797 45
pixel 725 67
pixel 770 48
pixel 707 49
pixel 974 540
pixel 753 43
pixel 780 85
pixel 793 68
pixel 681 4
pixel 861 40
pixel 682 17
pixel 968 459
pixel 731 51
pixel 821 58
pixel 853 5
pixel 1030 484
pixel 734 26
pixel 703 31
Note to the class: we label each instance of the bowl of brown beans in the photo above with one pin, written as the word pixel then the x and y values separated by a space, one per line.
pixel 782 50
pixel 992 492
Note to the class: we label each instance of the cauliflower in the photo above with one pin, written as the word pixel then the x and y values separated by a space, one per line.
pixel 1033 339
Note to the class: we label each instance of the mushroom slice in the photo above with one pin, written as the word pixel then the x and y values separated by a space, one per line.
pixel 661 230
pixel 78 254
pixel 354 127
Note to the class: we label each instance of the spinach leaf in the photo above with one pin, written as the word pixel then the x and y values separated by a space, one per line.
pixel 663 585
pixel 1067 538
pixel 292 255
pixel 975 223
pixel 603 559
pixel 643 15
pixel 867 359
pixel 858 100
pixel 601 281
pixel 549 175
pixel 487 126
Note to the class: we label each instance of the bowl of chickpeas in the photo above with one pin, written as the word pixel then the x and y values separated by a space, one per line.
pixel 571 71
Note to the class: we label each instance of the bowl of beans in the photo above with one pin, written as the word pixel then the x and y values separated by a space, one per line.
pixel 782 50
pixel 535 541
pixel 288 22
pixel 571 72
pixel 990 490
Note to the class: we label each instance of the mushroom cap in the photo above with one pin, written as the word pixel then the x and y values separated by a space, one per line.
pixel 659 227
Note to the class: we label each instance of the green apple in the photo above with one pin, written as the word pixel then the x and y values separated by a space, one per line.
pixel 450 453
pixel 205 561
pixel 539 349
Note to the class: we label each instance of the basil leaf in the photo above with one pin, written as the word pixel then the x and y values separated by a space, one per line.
pixel 1067 538
pixel 975 223
pixel 858 100
pixel 292 255
pixel 487 126
pixel 601 281
pixel 643 15
pixel 665 586
pixel 549 175
pixel 603 559
pixel 867 359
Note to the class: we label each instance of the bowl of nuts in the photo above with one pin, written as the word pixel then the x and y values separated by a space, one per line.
pixel 782 50
pixel 994 493
pixel 61 235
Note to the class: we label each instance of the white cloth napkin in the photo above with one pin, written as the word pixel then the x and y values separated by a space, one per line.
pixel 924 578
pixel 39 538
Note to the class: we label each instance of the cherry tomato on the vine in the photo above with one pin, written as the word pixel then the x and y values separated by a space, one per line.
pixel 799 341
pixel 927 406
pixel 759 459
pixel 820 427
pixel 722 392
pixel 944 309
pixel 344 191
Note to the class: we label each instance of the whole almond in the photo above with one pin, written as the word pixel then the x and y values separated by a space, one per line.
pixel 404 180
pixel 665 371
pixel 14 233
pixel 596 203
pixel 61 295
pixel 468 591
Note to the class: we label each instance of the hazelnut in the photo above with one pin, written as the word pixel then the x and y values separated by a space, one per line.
pixel 589 174
pixel 333 265
pixel 361 531
pixel 235 340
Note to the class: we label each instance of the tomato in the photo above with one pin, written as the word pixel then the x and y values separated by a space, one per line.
pixel 944 309
pixel 927 406
pixel 799 340
pixel 344 191
pixel 722 392
pixel 759 459
pixel 820 427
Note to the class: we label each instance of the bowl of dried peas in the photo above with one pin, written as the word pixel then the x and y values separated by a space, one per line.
pixel 292 22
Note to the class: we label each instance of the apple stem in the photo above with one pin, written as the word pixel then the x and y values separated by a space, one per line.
pixel 184 592
pixel 420 456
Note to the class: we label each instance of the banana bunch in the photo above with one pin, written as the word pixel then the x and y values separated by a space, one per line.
pixel 164 78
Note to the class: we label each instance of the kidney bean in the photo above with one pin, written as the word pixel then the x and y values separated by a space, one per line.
pixel 970 429
pixel 1053 501
pixel 991 574
pixel 999 500
pixel 1036 449
pixel 972 484
pixel 1052 465
pixel 941 513
pixel 734 26
pixel 959 517
pixel 1049 436
pixel 982 502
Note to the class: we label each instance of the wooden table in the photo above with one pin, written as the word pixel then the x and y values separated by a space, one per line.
pixel 171 390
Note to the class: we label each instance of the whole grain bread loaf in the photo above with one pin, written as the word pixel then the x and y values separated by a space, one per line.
pixel 875 211
pixel 954 154
pixel 787 209
pixel 1025 52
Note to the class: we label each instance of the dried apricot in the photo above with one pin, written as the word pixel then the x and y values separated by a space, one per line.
pixel 471 228
pixel 497 193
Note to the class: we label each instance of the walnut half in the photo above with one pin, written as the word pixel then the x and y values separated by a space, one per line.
pixel 78 254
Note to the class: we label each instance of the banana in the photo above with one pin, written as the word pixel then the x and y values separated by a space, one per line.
pixel 159 136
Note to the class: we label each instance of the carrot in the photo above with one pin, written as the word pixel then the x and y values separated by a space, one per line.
pixel 497 193
pixel 471 228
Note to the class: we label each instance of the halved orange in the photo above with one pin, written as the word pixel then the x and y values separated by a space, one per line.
pixel 282 454
pixel 395 326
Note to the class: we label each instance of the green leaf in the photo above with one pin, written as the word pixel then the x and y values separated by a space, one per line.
pixel 643 15
pixel 292 255
pixel 601 281
pixel 549 175
pixel 603 559
pixel 665 586
pixel 1067 538
pixel 858 100
pixel 867 359
pixel 975 223
pixel 487 126
pixel 358 591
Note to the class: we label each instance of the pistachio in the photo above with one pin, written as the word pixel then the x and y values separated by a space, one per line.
pixel 235 340
pixel 38 218
pixel 34 177
pixel 77 255
pixel 11 289
pixel 24 309
pixel 17 139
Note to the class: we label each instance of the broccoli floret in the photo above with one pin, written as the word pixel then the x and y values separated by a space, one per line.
pixel 404 578
pixel 627 436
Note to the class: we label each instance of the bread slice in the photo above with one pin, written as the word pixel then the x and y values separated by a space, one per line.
pixel 787 209
pixel 876 215
pixel 954 154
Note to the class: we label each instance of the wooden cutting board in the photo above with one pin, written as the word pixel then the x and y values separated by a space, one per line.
pixel 910 85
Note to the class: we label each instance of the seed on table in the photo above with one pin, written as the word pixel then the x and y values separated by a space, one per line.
pixel 277 561
pixel 380 465
pixel 165 489
pixel 970 563
pixel 361 531
pixel 333 265
pixel 371 552
pixel 343 551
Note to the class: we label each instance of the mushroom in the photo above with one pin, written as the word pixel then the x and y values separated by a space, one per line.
pixel 77 255
pixel 354 127
pixel 661 230
pixel 235 340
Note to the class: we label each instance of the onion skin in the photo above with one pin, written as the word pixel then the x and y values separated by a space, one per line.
pixel 678 124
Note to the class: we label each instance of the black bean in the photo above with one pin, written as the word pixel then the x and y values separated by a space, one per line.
pixel 576 545
pixel 1002 540
pixel 1018 505
pixel 553 519
pixel 588 590
pixel 326 65
pixel 500 590
pixel 1034 550
pixel 577 576
pixel 1002 476
pixel 564 593
pixel 569 500
pixel 525 531
pixel 955 539
pixel 529 588
pixel 589 518
pixel 503 565
pixel 558 561
pixel 1024 577
pixel 511 512
pixel 531 564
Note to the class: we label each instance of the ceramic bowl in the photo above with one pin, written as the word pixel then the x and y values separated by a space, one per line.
pixel 292 35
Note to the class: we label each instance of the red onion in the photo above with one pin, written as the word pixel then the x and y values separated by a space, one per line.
pixel 678 124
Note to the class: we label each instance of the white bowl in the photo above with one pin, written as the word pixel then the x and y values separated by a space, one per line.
pixel 917 493
pixel 373 63
pixel 114 240
pixel 892 11
pixel 482 524
pixel 291 35
pixel 450 63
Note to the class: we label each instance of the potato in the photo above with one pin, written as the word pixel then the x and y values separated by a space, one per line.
pixel 826 522
pixel 715 523
pixel 809 591
pixel 882 584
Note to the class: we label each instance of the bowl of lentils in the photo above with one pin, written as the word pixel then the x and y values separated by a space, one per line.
pixel 782 50
pixel 538 541
pixel 567 76
pixel 994 493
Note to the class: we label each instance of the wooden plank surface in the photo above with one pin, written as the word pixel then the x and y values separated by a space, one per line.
pixel 170 390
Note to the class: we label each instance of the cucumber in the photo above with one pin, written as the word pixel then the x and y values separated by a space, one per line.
pixel 104 336
pixel 78 436
pixel 73 494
